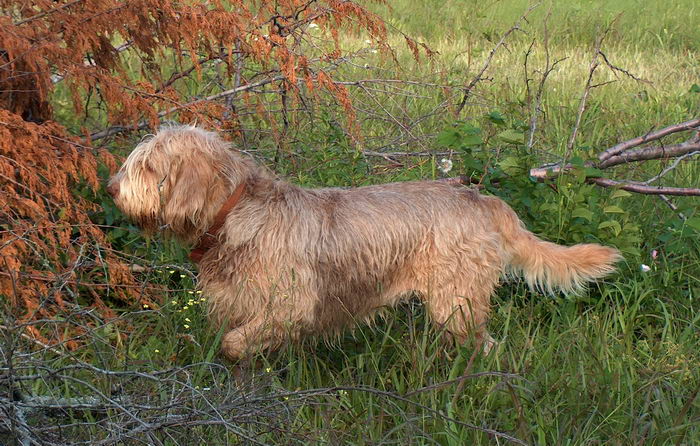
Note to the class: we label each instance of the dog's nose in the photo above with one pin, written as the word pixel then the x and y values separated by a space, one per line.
pixel 113 188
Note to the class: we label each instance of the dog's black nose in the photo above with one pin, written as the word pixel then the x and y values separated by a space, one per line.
pixel 113 188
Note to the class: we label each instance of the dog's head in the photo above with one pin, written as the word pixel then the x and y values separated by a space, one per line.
pixel 176 180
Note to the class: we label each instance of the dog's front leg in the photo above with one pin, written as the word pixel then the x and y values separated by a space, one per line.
pixel 247 339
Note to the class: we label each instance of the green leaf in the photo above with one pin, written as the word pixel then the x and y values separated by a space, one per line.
pixel 619 193
pixel 511 165
pixel 512 136
pixel 471 140
pixel 593 172
pixel 471 135
pixel 695 88
pixel 470 129
pixel 549 207
pixel 496 117
pixel 449 138
pixel 611 224
pixel 694 223
pixel 613 210
pixel 582 213
pixel 576 161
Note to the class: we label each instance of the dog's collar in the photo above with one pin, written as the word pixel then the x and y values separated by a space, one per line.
pixel 208 239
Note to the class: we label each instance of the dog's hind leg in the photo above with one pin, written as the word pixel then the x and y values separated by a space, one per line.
pixel 462 315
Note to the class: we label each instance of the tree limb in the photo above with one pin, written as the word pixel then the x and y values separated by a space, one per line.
pixel 644 189
pixel 653 136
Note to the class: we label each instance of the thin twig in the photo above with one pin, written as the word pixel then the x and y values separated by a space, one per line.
pixel 479 77
pixel 593 65
pixel 673 206
pixel 144 124
pixel 671 167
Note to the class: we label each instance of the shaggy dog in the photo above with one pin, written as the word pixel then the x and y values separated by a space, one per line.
pixel 278 261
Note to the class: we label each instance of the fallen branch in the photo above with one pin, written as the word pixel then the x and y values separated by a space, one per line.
pixel 621 154
pixel 644 189
pixel 653 136
pixel 650 153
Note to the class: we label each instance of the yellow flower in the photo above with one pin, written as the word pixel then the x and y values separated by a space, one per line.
pixel 185 307
pixel 268 370
pixel 199 291
pixel 174 302
pixel 156 350
pixel 186 326
pixel 182 276
pixel 188 319
pixel 146 306
pixel 190 292
pixel 172 271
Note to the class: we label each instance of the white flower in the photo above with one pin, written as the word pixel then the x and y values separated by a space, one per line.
pixel 445 165
pixel 373 51
pixel 313 26
pixel 368 42
pixel 644 268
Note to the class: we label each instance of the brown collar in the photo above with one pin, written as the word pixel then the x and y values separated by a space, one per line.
pixel 209 238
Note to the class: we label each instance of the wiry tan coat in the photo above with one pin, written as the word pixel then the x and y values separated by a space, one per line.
pixel 292 261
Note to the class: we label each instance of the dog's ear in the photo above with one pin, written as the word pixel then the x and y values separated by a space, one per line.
pixel 190 192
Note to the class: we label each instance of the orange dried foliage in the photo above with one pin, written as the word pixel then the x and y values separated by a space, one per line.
pixel 94 45
pixel 47 242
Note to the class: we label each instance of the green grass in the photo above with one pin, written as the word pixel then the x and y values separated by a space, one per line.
pixel 618 365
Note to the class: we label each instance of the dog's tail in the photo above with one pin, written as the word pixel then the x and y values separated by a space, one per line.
pixel 546 265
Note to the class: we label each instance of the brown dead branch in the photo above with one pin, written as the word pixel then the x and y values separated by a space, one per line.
pixel 650 153
pixel 693 124
pixel 620 154
pixel 644 189
pixel 51 395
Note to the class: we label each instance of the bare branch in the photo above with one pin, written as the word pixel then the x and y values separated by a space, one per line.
pixel 650 153
pixel 593 65
pixel 618 156
pixel 675 164
pixel 144 124
pixel 673 207
pixel 621 70
pixel 652 136
pixel 643 189
pixel 479 77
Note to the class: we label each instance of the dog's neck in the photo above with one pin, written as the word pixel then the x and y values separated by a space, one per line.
pixel 209 238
